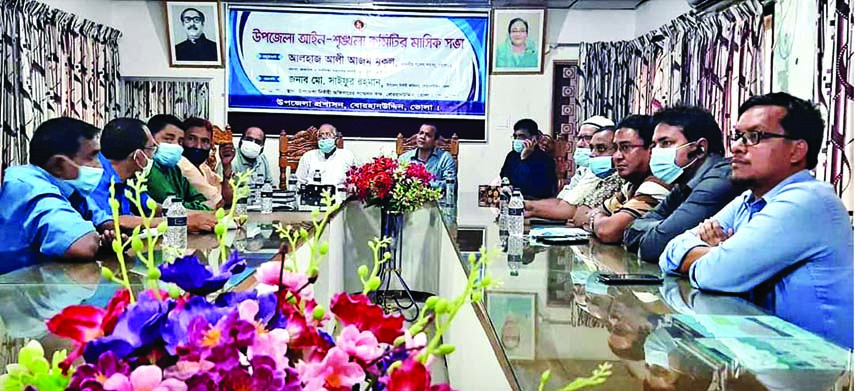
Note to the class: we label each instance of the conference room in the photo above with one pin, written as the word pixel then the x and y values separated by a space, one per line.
pixel 485 195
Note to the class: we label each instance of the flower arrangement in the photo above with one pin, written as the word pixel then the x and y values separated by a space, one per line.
pixel 395 186
pixel 192 336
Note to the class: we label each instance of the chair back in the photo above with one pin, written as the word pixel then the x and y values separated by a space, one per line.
pixel 292 148
pixel 563 159
pixel 451 145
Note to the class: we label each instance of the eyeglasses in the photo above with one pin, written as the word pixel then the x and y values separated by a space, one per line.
pixel 194 19
pixel 601 149
pixel 625 148
pixel 754 138
pixel 584 138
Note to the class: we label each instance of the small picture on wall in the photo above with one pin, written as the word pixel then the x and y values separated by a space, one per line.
pixel 194 33
pixel 514 318
pixel 518 40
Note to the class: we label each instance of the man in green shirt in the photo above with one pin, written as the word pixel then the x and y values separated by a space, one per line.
pixel 165 178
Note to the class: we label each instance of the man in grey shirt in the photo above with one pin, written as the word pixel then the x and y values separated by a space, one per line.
pixel 688 153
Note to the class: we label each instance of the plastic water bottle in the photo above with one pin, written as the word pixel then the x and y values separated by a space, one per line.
pixel 316 179
pixel 292 182
pixel 176 231
pixel 504 198
pixel 515 252
pixel 255 190
pixel 241 208
pixel 515 215
pixel 450 185
pixel 267 198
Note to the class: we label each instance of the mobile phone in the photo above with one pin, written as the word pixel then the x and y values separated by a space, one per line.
pixel 630 279
pixel 563 240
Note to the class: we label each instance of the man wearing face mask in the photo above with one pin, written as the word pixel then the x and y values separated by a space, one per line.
pixel 165 178
pixel 583 180
pixel 688 153
pixel 198 141
pixel 127 148
pixel 528 168
pixel 607 184
pixel 641 193
pixel 332 162
pixel 46 212
pixel 250 157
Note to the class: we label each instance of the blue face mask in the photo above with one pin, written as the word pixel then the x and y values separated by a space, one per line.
pixel 519 146
pixel 582 156
pixel 601 166
pixel 168 155
pixel 87 179
pixel 663 166
pixel 326 145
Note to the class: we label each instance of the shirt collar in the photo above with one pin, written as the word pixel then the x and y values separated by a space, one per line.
pixel 433 153
pixel 801 176
pixel 711 161
pixel 110 174
pixel 64 188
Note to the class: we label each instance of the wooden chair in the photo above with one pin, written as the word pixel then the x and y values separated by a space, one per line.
pixel 563 160
pixel 292 148
pixel 451 145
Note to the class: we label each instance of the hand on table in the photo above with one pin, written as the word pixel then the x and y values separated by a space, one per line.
pixel 711 232
pixel 201 221
pixel 107 237
pixel 580 217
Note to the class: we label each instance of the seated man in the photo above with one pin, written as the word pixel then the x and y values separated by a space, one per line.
pixel 641 193
pixel 528 168
pixel 198 141
pixel 688 153
pixel 127 148
pixel 46 214
pixel 607 183
pixel 440 163
pixel 250 157
pixel 165 178
pixel 786 242
pixel 583 180
pixel 332 162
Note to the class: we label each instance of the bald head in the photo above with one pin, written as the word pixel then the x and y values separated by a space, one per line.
pixel 255 133
pixel 327 131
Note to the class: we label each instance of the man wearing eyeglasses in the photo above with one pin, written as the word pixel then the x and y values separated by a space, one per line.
pixel 607 182
pixel 250 157
pixel 196 47
pixel 688 154
pixel 528 168
pixel 642 191
pixel 787 241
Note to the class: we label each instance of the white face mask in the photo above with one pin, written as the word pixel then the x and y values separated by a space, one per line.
pixel 249 149
pixel 147 167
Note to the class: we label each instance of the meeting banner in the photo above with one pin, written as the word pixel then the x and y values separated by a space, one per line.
pixel 389 63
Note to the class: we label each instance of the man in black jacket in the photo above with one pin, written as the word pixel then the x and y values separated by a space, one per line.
pixel 196 47
pixel 528 168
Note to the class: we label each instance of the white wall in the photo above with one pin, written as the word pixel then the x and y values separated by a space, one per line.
pixel 655 13
pixel 95 10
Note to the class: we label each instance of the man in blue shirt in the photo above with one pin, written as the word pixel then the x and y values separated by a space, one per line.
pixel 787 241
pixel 688 153
pixel 528 168
pixel 45 213
pixel 440 163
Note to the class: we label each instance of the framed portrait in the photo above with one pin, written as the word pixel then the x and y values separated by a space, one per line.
pixel 518 40
pixel 514 317
pixel 195 38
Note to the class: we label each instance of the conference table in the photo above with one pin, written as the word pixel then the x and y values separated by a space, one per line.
pixel 547 310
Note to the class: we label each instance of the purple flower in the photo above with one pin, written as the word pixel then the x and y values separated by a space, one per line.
pixel 140 326
pixel 86 376
pixel 194 277
pixel 178 320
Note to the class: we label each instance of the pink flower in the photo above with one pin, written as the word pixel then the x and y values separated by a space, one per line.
pixel 273 344
pixel 268 274
pixel 359 311
pixel 144 378
pixel 335 372
pixel 362 345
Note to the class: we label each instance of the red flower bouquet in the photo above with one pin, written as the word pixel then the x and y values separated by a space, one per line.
pixel 394 186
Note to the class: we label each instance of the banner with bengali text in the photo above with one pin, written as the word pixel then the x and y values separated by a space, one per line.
pixel 390 63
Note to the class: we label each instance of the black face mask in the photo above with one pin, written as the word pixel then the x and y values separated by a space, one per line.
pixel 197 156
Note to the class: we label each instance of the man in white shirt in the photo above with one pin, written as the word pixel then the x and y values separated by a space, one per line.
pixel 332 162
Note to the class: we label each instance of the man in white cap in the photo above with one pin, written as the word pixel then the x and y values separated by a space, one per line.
pixel 583 182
